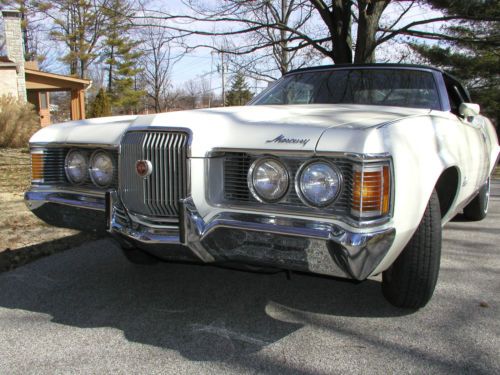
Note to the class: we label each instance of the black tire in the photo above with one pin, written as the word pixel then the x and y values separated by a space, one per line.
pixel 410 281
pixel 477 209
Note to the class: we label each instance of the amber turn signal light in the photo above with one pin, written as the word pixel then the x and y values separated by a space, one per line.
pixel 371 191
pixel 37 161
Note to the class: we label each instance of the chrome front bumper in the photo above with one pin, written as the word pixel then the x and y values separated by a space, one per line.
pixel 261 239
pixel 251 238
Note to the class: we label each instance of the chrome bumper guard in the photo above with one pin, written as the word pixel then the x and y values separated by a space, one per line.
pixel 274 241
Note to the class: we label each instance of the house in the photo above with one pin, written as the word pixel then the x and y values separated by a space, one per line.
pixel 22 79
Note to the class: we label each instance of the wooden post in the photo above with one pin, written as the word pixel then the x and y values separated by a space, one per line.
pixel 75 105
pixel 81 103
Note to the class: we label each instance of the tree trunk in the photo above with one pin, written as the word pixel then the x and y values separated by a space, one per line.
pixel 110 68
pixel 370 12
pixel 83 68
pixel 341 32
pixel 284 64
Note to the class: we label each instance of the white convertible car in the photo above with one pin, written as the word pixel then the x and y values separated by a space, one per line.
pixel 348 171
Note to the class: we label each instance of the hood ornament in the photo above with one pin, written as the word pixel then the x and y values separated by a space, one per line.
pixel 282 139
pixel 143 168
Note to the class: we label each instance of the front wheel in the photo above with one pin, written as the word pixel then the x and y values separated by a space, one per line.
pixel 411 279
pixel 477 209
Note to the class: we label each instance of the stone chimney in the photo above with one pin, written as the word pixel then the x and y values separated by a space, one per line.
pixel 14 45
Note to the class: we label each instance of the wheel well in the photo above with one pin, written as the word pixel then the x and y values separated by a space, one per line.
pixel 447 188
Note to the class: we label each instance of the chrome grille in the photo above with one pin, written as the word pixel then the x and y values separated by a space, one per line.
pixel 158 194
pixel 236 166
pixel 53 166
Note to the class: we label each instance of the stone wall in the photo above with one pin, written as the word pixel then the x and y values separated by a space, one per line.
pixel 14 46
pixel 8 82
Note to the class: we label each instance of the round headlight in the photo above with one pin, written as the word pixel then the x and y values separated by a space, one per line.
pixel 268 180
pixel 319 183
pixel 101 168
pixel 76 166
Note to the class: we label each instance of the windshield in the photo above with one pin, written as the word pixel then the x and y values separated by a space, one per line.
pixel 391 87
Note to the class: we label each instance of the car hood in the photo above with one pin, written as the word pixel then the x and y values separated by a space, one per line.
pixel 284 127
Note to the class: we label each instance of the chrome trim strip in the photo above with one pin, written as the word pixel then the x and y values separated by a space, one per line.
pixel 219 151
pixel 36 199
pixel 70 145
pixel 313 215
pixel 76 190
pixel 358 157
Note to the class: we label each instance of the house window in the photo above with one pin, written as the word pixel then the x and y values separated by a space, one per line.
pixel 44 102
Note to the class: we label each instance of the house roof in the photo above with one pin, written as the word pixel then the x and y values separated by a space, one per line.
pixel 5 59
pixel 5 63
pixel 37 80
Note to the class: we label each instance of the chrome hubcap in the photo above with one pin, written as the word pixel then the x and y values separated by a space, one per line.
pixel 487 196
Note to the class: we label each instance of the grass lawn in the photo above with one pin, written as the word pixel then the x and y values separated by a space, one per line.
pixel 24 237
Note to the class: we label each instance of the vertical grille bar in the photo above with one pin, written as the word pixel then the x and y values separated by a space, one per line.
pixel 158 194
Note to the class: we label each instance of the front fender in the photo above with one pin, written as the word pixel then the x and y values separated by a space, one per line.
pixel 422 148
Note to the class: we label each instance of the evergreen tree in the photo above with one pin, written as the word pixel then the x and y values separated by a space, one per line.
pixel 470 50
pixel 122 58
pixel 100 106
pixel 239 94
pixel 79 25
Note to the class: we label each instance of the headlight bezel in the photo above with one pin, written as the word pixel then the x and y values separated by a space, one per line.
pixel 250 179
pixel 298 183
pixel 91 168
pixel 85 155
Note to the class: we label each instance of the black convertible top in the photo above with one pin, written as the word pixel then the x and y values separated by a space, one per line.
pixel 355 66
pixel 377 65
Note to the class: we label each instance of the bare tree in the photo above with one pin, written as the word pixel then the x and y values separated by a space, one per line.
pixel 171 98
pixel 192 91
pixel 97 72
pixel 157 62
pixel 327 26
pixel 205 93
pixel 291 13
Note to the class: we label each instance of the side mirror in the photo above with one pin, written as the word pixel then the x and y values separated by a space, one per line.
pixel 468 109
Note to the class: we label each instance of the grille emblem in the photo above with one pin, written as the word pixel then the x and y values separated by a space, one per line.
pixel 143 168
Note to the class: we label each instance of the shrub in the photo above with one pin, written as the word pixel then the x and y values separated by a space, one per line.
pixel 100 106
pixel 18 122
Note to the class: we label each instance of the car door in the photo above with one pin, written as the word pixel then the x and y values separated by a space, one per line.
pixel 474 139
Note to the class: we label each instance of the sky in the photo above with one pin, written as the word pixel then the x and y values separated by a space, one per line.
pixel 201 63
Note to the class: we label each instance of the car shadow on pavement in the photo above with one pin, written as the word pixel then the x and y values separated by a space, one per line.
pixel 12 258
pixel 203 312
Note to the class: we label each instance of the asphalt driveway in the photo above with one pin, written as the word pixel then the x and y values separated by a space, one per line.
pixel 87 310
